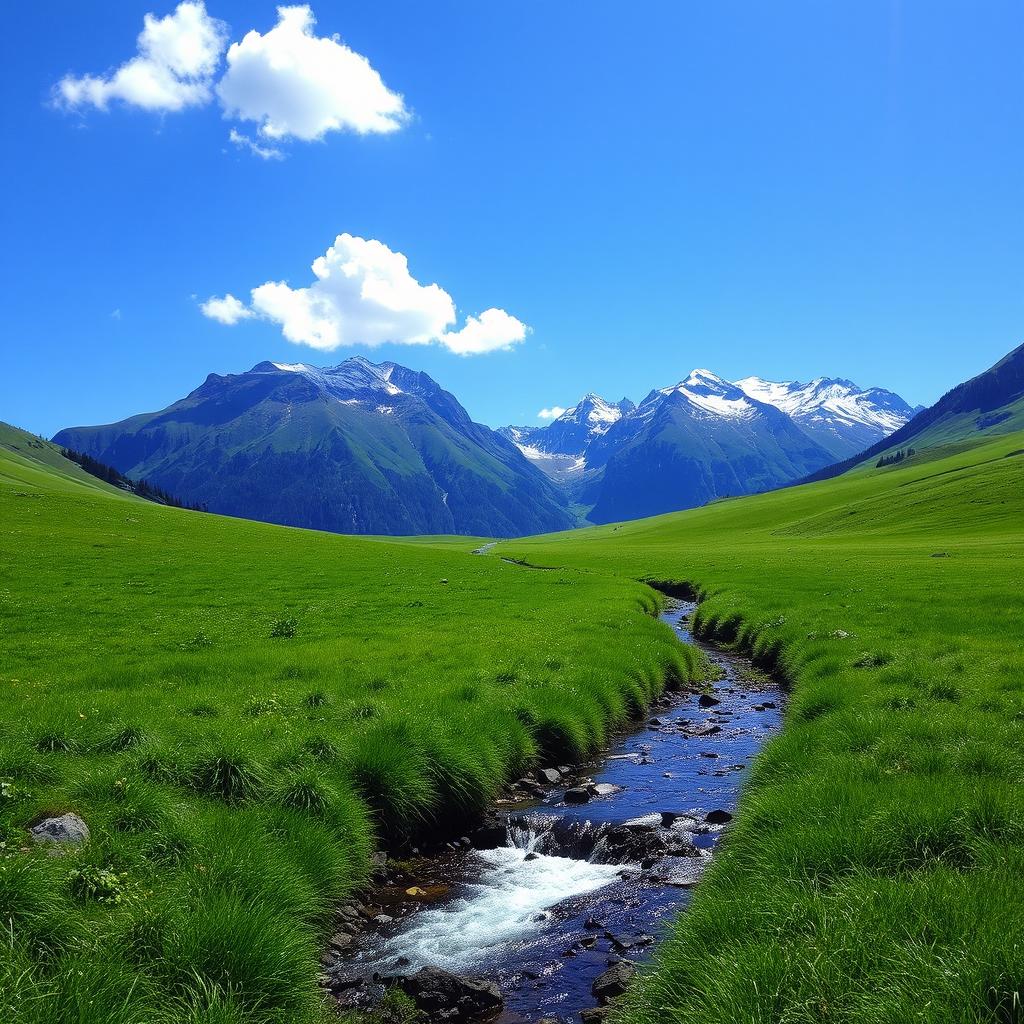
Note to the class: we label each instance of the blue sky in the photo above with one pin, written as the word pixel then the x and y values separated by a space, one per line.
pixel 787 190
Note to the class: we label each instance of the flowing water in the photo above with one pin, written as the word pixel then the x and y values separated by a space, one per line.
pixel 547 913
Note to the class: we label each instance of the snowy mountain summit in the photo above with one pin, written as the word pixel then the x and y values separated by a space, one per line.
pixel 792 427
pixel 840 416
pixel 707 394
pixel 569 436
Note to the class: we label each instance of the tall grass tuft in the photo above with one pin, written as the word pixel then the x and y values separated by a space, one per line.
pixel 305 791
pixel 392 775
pixel 34 910
pixel 248 948
pixel 227 775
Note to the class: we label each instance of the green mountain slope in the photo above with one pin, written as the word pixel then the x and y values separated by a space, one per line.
pixel 359 448
pixel 985 406
pixel 30 459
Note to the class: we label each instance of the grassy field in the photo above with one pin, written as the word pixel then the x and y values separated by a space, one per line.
pixel 876 871
pixel 240 712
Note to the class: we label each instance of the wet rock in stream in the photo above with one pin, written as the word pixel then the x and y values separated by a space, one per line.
pixel 614 981
pixel 620 943
pixel 440 995
pixel 444 996
pixel 491 836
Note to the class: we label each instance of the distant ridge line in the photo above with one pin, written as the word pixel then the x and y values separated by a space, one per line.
pixel 1001 383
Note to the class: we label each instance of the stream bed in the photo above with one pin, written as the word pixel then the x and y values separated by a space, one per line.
pixel 569 888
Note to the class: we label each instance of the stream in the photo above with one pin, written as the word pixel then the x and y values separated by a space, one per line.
pixel 575 887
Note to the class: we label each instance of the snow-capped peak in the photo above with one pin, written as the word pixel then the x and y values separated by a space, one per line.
pixel 570 434
pixel 595 411
pixel 831 399
pixel 772 392
pixel 708 393
pixel 354 374
pixel 359 372
pixel 701 376
pixel 294 367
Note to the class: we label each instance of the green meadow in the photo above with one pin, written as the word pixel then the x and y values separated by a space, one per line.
pixel 875 872
pixel 242 712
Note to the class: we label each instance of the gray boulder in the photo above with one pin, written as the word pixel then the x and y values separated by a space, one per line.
pixel 68 828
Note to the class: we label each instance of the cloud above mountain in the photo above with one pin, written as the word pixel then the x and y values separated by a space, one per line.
pixel 364 294
pixel 226 310
pixel 289 83
pixel 491 331
pixel 551 414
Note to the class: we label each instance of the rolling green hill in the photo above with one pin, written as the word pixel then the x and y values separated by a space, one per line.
pixel 27 457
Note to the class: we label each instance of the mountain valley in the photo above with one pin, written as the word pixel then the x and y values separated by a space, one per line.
pixel 377 448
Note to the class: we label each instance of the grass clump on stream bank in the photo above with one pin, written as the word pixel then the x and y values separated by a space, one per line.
pixel 875 872
pixel 240 712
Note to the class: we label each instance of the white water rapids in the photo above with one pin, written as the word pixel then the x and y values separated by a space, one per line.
pixel 508 901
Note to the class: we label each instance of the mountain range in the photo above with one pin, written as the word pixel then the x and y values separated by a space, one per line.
pixel 705 438
pixel 841 417
pixel 559 448
pixel 366 447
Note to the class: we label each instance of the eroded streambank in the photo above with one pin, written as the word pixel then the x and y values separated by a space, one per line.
pixel 573 880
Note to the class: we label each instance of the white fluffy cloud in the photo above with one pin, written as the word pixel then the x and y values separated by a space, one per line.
pixel 493 329
pixel 551 414
pixel 289 82
pixel 173 69
pixel 227 310
pixel 364 295
pixel 294 84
